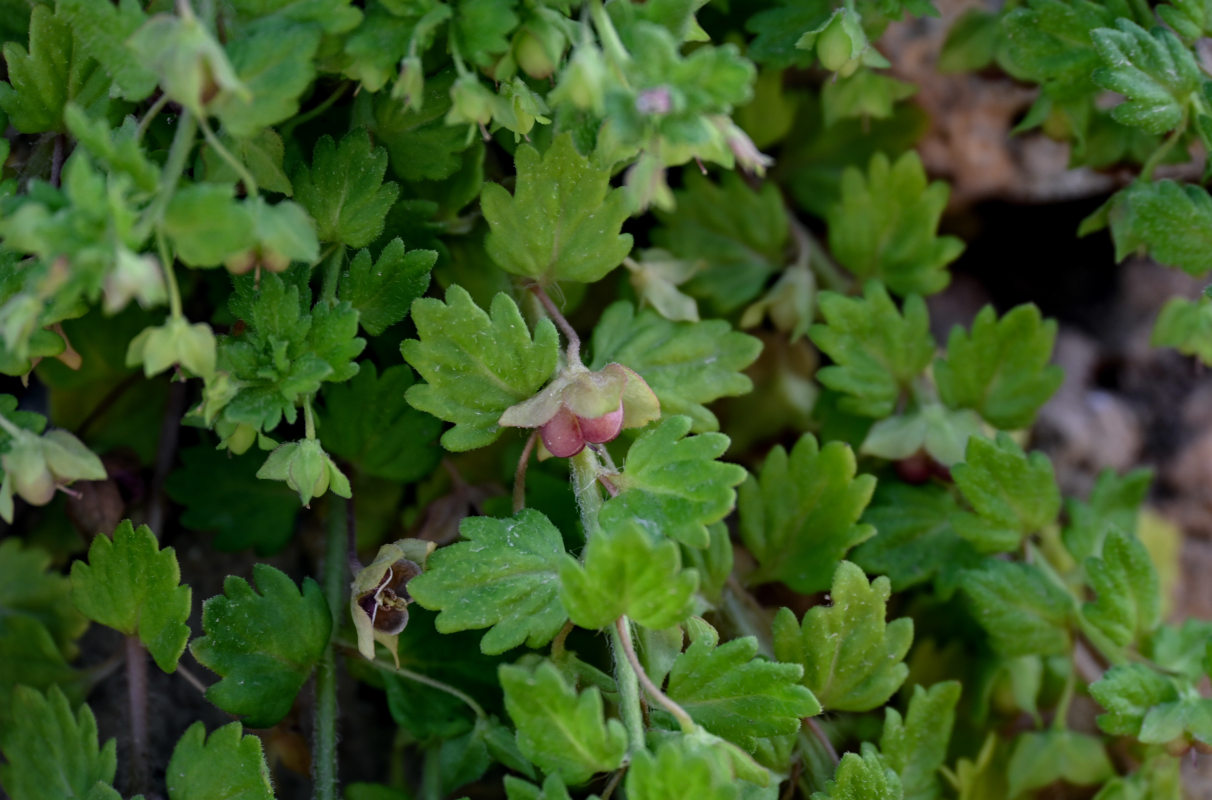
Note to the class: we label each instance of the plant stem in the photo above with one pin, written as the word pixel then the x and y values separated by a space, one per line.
pixel 174 166
pixel 312 113
pixel 151 114
pixel 426 680
pixel 609 37
pixel 585 489
pixel 309 421
pixel 1158 155
pixel 519 476
pixel 170 277
pixel 629 688
pixel 1061 720
pixel 823 738
pixel 136 688
pixel 574 341
pixel 250 183
pixel 332 275
pixel 324 757
pixel 623 627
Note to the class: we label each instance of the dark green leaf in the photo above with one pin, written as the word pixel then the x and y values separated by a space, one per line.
pixel 225 764
pixel 865 777
pixel 1170 221
pixel 1020 608
pixel 343 189
pixel 1013 493
pixel 1153 70
pixel 383 291
pixel 101 31
pixel 264 644
pixel 1128 601
pixel 1043 758
pixel 51 751
pixel 915 746
pixel 276 65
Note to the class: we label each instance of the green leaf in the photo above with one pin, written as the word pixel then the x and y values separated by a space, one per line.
pixel 276 66
pixel 799 516
pixel 972 42
pixel 421 146
pixel 687 364
pixel 553 789
pixel 1000 369
pixel 1127 602
pixel 563 221
pixel 368 423
pixel 1115 503
pixel 54 71
pixel 1189 18
pixel 915 540
pixel 675 485
pixel 1153 70
pixel 1181 649
pixel 1185 325
pixel 852 657
pixel 561 731
pixel 884 226
pixel 678 772
pixel 1129 692
pixel 865 777
pixel 737 695
pixel 1170 221
pixel 343 189
pixel 778 29
pixel 206 224
pixel 1020 608
pixel 940 432
pixel 133 586
pixel 28 589
pixel 264 644
pixel 50 751
pixel 1046 757
pixel 1048 42
pixel 101 31
pixel 30 658
pixel 221 494
pixel 877 351
pixel 118 150
pixel 737 233
pixel 865 94
pixel 628 571
pixel 476 364
pixel 504 576
pixel 225 764
pixel 915 746
pixel 1014 494
pixel 383 291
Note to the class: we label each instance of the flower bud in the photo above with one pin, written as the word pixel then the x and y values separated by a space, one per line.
pixel 25 464
pixel 410 85
pixel 175 342
pixel 133 277
pixel 583 81
pixel 471 102
pixel 306 468
pixel 192 66
pixel 532 56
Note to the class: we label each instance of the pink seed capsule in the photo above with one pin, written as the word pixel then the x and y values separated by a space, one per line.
pixel 562 434
pixel 604 428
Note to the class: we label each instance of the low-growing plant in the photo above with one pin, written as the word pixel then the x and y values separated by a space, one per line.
pixel 456 298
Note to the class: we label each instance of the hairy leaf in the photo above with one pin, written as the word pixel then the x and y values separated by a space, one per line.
pixel 504 576
pixel 51 751
pixel 263 644
pixel 915 746
pixel 1020 608
pixel 852 657
pixel 877 351
pixel 1127 603
pixel 559 729
pixel 737 695
pixel 884 226
pixel 687 364
pixel 627 570
pixel 223 764
pixel 133 586
pixel 1170 221
pixel 1000 368
pixel 675 485
pixel 799 516
pixel 1013 493
pixel 476 364
pixel 343 189
pixel 563 221
pixel 1153 70
pixel 383 291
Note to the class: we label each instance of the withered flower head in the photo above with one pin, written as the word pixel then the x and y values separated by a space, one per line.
pixel 379 598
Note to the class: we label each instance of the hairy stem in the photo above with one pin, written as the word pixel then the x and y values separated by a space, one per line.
pixel 250 183
pixel 324 756
pixel 574 341
pixel 332 276
pixel 623 627
pixel 585 489
pixel 136 689
pixel 519 476
pixel 625 676
pixel 174 167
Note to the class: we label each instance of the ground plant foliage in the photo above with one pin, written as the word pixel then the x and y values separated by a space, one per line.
pixel 539 399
